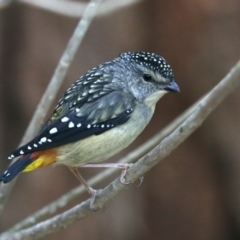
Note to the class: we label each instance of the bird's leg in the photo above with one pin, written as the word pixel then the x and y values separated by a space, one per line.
pixel 123 166
pixel 75 171
pixel 90 190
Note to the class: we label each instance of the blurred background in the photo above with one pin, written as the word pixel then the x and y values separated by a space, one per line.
pixel 192 194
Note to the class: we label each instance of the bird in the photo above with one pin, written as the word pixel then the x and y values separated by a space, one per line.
pixel 98 116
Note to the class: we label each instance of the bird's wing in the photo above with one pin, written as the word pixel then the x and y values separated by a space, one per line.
pixel 92 118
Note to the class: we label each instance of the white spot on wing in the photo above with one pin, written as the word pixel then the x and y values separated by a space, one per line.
pixel 44 139
pixel 53 130
pixel 68 96
pixel 65 119
pixel 71 125
pixel 11 157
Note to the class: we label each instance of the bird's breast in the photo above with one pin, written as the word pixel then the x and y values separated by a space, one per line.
pixel 98 148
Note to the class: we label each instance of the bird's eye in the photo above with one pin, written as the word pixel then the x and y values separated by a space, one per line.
pixel 147 77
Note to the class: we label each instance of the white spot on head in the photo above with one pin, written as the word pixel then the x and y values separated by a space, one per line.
pixel 64 119
pixel 71 125
pixel 53 130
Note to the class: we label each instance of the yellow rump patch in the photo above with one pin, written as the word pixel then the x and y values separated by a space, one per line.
pixel 43 158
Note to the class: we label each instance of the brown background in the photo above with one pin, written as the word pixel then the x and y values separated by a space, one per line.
pixel 194 193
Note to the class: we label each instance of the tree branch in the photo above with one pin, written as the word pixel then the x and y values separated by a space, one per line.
pixel 54 85
pixel 167 145
pixel 76 9
pixel 4 3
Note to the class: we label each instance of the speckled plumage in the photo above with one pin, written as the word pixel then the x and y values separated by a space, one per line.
pixel 103 111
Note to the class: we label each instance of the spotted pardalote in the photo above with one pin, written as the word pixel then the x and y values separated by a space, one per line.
pixel 99 115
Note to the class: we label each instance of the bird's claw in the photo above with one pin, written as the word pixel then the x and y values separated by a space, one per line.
pixel 123 174
pixel 141 181
pixel 94 193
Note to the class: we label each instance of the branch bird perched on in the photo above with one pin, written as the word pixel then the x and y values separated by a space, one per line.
pixel 99 115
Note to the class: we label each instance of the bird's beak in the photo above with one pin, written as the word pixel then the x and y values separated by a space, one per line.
pixel 172 87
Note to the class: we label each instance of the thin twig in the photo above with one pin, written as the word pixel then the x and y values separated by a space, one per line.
pixel 129 158
pixel 4 3
pixel 76 9
pixel 55 83
pixel 167 145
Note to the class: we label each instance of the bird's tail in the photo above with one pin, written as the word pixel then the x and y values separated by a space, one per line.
pixel 28 163
pixel 13 170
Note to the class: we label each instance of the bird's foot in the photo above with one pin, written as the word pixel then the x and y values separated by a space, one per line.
pixel 94 193
pixel 125 167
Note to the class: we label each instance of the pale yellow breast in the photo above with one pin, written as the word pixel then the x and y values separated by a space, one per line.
pixel 98 148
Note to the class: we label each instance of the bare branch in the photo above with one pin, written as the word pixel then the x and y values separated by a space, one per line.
pixel 4 3
pixel 55 83
pixel 167 145
pixel 76 9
